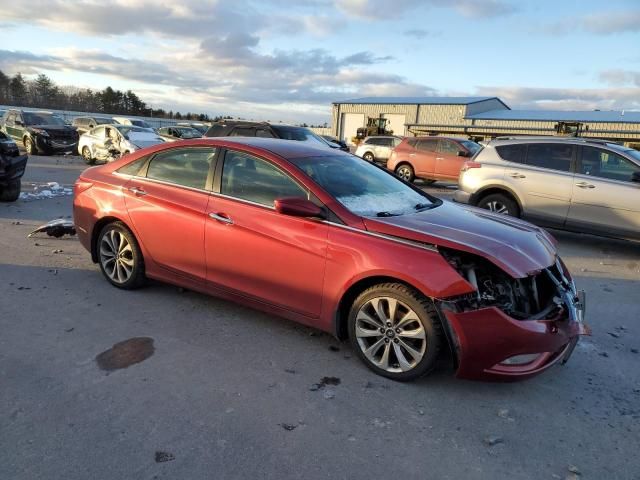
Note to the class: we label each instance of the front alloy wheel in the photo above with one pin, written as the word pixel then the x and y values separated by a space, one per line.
pixel 395 332
pixel 499 203
pixel 120 256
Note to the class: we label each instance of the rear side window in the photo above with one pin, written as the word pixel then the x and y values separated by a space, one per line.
pixel 243 132
pixel 551 156
pixel 264 133
pixel 605 164
pixel 251 178
pixel 448 147
pixel 512 153
pixel 133 168
pixel 427 145
pixel 184 166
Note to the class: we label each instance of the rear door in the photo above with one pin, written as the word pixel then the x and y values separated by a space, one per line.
pixel 256 251
pixel 13 130
pixel 545 181
pixel 167 206
pixel 383 150
pixel 448 162
pixel 604 196
pixel 423 158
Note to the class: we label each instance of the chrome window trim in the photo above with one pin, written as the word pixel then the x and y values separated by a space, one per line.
pixel 431 248
pixel 162 182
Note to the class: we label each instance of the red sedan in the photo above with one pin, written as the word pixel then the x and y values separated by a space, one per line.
pixel 329 240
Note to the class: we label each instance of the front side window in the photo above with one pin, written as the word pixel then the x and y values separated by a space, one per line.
pixel 188 167
pixel 363 188
pixel 250 178
pixel 551 156
pixel 606 164
pixel 264 133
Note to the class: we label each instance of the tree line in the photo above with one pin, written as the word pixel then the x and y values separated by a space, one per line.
pixel 42 92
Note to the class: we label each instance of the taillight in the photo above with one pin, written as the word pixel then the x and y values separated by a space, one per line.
pixel 469 165
pixel 80 186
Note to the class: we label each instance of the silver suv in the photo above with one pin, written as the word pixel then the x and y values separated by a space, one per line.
pixel 573 184
pixel 378 148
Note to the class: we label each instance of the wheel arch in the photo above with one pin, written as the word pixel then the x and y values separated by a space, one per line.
pixel 341 315
pixel 97 228
pixel 501 189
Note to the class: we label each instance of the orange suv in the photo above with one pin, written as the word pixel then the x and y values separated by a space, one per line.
pixel 431 158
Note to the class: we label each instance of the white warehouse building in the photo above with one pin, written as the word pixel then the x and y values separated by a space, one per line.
pixel 479 118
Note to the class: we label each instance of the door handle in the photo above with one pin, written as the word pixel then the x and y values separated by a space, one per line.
pixel 137 191
pixel 517 175
pixel 412 154
pixel 585 185
pixel 439 158
pixel 222 218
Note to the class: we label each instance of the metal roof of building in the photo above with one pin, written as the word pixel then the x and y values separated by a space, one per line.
pixel 418 100
pixel 559 116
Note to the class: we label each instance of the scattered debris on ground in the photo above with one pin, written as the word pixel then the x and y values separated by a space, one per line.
pixel 288 426
pixel 44 190
pixel 164 456
pixel 324 381
pixel 56 228
pixel 491 440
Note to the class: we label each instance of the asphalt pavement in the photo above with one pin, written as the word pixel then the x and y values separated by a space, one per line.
pixel 219 391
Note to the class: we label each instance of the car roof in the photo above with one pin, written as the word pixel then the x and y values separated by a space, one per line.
pixel 560 140
pixel 288 149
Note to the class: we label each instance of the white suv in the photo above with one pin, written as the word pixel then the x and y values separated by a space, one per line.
pixel 377 149
pixel 574 184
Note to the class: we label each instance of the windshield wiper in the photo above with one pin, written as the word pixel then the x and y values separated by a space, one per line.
pixel 386 214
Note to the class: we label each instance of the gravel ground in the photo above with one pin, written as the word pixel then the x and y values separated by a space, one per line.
pixel 220 391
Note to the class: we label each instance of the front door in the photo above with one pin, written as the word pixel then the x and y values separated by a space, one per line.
pixel 256 251
pixel 604 196
pixel 167 206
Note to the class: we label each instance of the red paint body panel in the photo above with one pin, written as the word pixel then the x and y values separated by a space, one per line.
pixel 488 336
pixel 301 268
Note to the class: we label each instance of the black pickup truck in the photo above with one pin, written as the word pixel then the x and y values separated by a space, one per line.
pixel 12 166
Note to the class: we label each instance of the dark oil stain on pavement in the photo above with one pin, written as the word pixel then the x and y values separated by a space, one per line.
pixel 164 457
pixel 324 381
pixel 126 353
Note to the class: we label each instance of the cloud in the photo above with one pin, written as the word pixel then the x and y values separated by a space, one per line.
pixel 620 77
pixel 602 23
pixel 565 98
pixel 419 33
pixel 382 9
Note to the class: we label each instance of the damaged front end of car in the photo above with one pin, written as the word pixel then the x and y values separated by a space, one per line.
pixel 511 328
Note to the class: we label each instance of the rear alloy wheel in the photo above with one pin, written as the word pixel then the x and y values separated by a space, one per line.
pixel 369 157
pixel 86 156
pixel 30 147
pixel 120 257
pixel 395 331
pixel 405 172
pixel 499 203
pixel 11 192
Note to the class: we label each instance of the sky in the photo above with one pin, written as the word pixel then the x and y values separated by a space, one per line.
pixel 289 60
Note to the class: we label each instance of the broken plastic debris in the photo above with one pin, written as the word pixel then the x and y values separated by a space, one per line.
pixel 56 228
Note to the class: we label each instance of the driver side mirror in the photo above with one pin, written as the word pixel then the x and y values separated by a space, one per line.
pixel 635 177
pixel 298 207
pixel 462 153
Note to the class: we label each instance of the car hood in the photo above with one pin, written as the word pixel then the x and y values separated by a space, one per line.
pixel 516 246
pixel 53 128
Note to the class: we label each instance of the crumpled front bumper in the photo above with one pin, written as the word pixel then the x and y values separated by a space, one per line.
pixel 486 338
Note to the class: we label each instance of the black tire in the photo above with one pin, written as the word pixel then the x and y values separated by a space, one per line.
pixel 137 277
pixel 408 298
pixel 86 156
pixel 500 203
pixel 369 157
pixel 11 192
pixel 30 147
pixel 405 171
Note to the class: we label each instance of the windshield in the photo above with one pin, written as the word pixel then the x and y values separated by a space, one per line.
pixel 140 123
pixel 126 129
pixel 103 121
pixel 188 132
pixel 635 154
pixel 363 188
pixel 473 147
pixel 41 118
pixel 299 134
